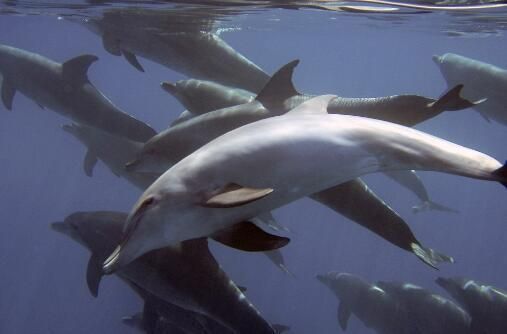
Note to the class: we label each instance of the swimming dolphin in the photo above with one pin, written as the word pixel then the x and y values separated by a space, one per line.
pixel 234 178
pixel 189 278
pixel 65 88
pixel 388 307
pixel 185 48
pixel 410 180
pixel 481 80
pixel 486 305
pixel 428 312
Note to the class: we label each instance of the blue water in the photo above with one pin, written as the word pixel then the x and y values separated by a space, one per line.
pixel 43 287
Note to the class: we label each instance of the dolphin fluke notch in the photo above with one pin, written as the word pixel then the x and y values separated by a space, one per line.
pixel 452 100
pixel 430 205
pixel 76 69
pixel 246 236
pixel 279 88
pixel 8 92
pixel 430 256
pixel 502 174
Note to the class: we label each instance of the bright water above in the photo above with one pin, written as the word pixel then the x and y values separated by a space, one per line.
pixel 43 286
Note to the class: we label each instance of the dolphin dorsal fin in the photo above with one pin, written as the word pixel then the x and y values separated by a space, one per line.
pixel 246 236
pixel 280 87
pixel 76 69
pixel 316 105
pixel 94 274
pixel 232 195
pixel 132 60
pixel 344 313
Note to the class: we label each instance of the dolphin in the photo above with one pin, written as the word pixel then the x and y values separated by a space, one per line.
pixel 481 80
pixel 65 88
pixel 185 48
pixel 234 178
pixel 390 307
pixel 487 305
pixel 189 278
pixel 410 180
pixel 428 312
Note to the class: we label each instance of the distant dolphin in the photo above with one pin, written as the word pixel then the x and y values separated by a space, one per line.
pixel 234 178
pixel 481 80
pixel 410 180
pixel 390 308
pixel 428 312
pixel 65 88
pixel 184 48
pixel 189 278
pixel 486 305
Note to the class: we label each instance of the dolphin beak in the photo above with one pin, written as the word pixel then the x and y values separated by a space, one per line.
pixel 63 228
pixel 437 59
pixel 321 278
pixel 112 263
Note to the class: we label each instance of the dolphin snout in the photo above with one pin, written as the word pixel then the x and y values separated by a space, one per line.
pixel 60 227
pixel 437 59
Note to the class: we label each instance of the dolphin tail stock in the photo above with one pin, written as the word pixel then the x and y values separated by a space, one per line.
pixel 502 174
pixel 430 256
pixel 453 101
pixel 434 206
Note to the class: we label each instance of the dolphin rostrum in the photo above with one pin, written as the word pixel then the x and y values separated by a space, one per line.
pixel 65 88
pixel 189 278
pixel 234 178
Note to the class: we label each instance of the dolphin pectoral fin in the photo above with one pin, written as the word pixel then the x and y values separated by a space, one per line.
pixel 317 105
pixel 483 115
pixel 344 313
pixel 452 101
pixel 430 205
pixel 89 162
pixel 279 88
pixel 76 69
pixel 247 237
pixel 267 219
pixel 8 92
pixel 111 44
pixel 430 256
pixel 94 275
pixel 279 329
pixel 233 195
pixel 132 59
pixel 501 173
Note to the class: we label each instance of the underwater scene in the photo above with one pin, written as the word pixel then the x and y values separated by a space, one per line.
pixel 253 167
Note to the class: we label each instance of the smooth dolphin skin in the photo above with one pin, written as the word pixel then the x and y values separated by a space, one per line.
pixel 189 278
pixel 234 178
pixel 481 80
pixel 426 311
pixel 486 305
pixel 65 89
pixel 394 308
pixel 410 180
pixel 114 151
pixel 186 48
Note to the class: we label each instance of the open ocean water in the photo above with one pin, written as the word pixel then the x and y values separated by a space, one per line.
pixel 43 273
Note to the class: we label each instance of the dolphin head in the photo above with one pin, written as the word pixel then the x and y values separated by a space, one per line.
pixel 149 159
pixel 97 231
pixel 455 286
pixel 438 59
pixel 346 286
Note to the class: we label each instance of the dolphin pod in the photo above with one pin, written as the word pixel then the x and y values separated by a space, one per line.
pixel 391 307
pixel 189 278
pixel 209 191
pixel 481 80
pixel 65 88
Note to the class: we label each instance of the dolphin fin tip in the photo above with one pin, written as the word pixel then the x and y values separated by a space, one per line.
pixel 501 173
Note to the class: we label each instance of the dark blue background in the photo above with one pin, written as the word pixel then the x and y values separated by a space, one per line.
pixel 42 273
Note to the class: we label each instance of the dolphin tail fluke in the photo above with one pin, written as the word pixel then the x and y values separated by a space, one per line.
pixel 8 92
pixel 452 101
pixel 501 173
pixel 430 205
pixel 430 256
